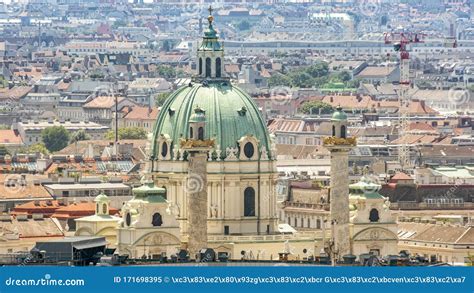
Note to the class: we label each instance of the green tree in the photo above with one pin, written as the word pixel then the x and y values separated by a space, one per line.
pixel 78 136
pixel 3 82
pixel 55 138
pixel 319 69
pixel 166 71
pixel 279 79
pixel 312 107
pixel 302 79
pixel 119 23
pixel 243 25
pixel 167 45
pixel 355 83
pixel 344 76
pixel 38 148
pixel 128 133
pixel 161 98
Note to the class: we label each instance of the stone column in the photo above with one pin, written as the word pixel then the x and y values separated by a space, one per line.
pixel 340 200
pixel 196 192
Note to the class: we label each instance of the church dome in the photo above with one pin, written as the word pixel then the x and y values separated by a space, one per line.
pixel 228 113
pixel 101 198
pixel 211 110
pixel 339 115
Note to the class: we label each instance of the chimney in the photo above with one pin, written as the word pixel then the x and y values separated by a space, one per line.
pixel 422 104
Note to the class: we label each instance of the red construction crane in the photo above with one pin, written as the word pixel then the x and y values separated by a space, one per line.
pixel 400 42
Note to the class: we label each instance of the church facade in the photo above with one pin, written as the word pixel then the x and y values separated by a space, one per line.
pixel 240 173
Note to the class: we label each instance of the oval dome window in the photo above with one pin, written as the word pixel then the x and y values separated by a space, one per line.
pixel 249 150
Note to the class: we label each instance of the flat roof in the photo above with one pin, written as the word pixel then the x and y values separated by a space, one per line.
pixel 79 186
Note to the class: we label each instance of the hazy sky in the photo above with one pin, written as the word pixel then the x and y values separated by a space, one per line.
pixel 8 1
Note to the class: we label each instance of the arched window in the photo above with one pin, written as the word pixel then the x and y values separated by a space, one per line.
pixel 97 208
pixel 201 133
pixel 309 223
pixel 343 131
pixel 249 202
pixel 157 220
pixel 333 130
pixel 104 209
pixel 208 67
pixel 249 150
pixel 200 66
pixel 218 67
pixel 128 219
pixel 318 224
pixel 190 132
pixel 165 195
pixel 164 149
pixel 374 215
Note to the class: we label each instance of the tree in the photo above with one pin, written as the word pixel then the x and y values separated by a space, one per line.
pixel 38 148
pixel 313 107
pixel 355 83
pixel 318 70
pixel 55 138
pixel 167 45
pixel 344 76
pixel 243 25
pixel 3 82
pixel 78 136
pixel 161 98
pixel 166 71
pixel 302 79
pixel 128 133
pixel 119 23
pixel 279 79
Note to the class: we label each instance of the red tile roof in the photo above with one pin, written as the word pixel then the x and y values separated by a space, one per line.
pixel 103 102
pixel 8 136
pixel 142 113
pixel 401 176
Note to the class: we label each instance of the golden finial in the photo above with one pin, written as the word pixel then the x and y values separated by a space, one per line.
pixel 210 18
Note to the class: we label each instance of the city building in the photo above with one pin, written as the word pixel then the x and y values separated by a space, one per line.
pixel 30 131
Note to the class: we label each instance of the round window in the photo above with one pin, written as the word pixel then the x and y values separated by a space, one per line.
pixel 128 219
pixel 164 149
pixel 249 150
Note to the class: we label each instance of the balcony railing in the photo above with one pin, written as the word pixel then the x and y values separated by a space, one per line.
pixel 431 206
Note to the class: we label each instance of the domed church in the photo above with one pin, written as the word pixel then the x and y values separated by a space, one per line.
pixel 212 152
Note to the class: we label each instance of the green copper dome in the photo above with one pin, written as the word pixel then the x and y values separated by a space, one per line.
pixel 228 113
pixel 101 198
pixel 198 116
pixel 339 115
pixel 149 192
pixel 366 188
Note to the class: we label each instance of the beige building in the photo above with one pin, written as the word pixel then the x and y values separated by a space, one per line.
pixel 20 233
pixel 101 223
pixel 148 227
pixel 373 226
pixel 142 117
pixel 441 242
